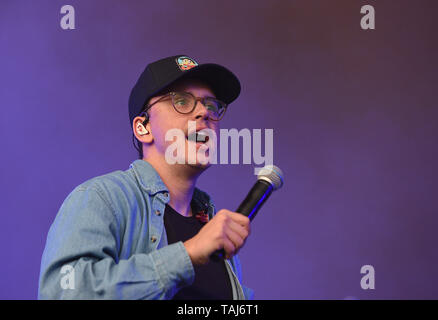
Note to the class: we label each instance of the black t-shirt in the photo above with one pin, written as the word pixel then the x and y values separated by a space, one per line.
pixel 211 280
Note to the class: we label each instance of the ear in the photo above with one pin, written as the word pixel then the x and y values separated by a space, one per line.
pixel 142 132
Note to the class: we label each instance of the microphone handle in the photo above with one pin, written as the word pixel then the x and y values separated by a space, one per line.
pixel 256 197
pixel 249 207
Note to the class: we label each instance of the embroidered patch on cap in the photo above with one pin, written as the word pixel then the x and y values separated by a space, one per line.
pixel 186 63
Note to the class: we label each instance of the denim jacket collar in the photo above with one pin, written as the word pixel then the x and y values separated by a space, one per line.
pixel 148 178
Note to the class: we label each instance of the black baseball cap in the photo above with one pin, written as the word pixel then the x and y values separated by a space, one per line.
pixel 160 74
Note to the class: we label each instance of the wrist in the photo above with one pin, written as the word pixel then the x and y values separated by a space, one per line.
pixel 189 248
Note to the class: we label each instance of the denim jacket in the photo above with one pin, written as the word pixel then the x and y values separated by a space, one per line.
pixel 108 242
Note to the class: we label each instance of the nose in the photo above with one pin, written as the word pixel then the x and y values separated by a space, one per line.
pixel 201 111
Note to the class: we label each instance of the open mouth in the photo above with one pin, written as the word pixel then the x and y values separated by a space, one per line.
pixel 198 137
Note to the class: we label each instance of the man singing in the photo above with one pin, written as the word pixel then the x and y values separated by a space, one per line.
pixel 148 232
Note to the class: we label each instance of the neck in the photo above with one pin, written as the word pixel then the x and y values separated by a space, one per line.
pixel 180 180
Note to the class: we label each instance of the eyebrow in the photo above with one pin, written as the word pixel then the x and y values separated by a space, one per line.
pixel 206 96
pixel 209 96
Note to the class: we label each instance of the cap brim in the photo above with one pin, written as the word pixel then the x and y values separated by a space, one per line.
pixel 222 81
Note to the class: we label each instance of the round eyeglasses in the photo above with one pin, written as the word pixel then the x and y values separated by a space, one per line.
pixel 185 102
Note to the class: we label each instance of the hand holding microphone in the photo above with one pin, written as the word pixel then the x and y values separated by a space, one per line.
pixel 225 234
pixel 227 230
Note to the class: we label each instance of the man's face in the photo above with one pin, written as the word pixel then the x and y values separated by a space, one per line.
pixel 163 117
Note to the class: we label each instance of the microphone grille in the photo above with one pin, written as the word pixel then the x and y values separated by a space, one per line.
pixel 273 175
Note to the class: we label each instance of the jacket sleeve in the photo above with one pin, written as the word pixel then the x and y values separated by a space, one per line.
pixel 81 257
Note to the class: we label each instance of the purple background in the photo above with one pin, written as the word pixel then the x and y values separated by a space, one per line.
pixel 353 112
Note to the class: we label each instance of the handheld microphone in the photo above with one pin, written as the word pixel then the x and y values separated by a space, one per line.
pixel 269 179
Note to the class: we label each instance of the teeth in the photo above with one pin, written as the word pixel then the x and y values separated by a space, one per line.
pixel 198 137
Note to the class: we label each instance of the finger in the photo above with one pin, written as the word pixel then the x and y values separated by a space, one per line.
pixel 235 238
pixel 239 229
pixel 226 215
pixel 229 248
pixel 239 218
